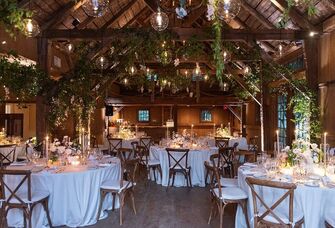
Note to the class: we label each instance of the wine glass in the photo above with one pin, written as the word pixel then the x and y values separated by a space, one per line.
pixel 36 155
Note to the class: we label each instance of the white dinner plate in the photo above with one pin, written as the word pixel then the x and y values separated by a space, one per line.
pixel 312 184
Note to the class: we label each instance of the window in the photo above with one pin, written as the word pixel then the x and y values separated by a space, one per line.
pixel 205 116
pixel 143 115
pixel 282 121
pixel 302 125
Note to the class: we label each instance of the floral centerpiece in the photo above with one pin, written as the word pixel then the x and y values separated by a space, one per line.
pixel 177 140
pixel 65 148
pixel 125 133
pixel 222 132
pixel 301 152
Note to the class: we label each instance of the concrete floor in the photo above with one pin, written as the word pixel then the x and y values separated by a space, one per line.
pixel 177 208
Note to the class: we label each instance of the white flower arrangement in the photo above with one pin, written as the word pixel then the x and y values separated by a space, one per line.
pixel 222 132
pixel 125 133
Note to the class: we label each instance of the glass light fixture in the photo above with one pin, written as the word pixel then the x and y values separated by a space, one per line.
pixel 225 87
pixel 246 71
pixel 206 77
pixel 280 49
pixel 197 70
pixel 125 81
pixel 31 27
pixel 226 56
pixel 132 70
pixel 159 20
pixel 69 47
pixel 228 9
pixel 95 8
pixel 102 62
pixel 165 56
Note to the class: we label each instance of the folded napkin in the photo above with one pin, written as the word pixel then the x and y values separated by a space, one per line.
pixel 104 164
pixel 250 164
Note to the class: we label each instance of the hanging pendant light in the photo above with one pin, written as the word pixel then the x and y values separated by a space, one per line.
pixel 132 70
pixel 197 71
pixel 101 62
pixel 31 27
pixel 159 20
pixel 228 9
pixel 69 47
pixel 95 8
pixel 246 71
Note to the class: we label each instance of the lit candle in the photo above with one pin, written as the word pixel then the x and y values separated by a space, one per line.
pixel 136 129
pixel 221 126
pixel 47 148
pixel 214 129
pixel 192 130
pixel 167 131
pixel 278 147
pixel 83 139
pixel 325 146
pixel 229 128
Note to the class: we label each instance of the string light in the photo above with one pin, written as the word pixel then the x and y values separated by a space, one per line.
pixel 69 47
pixel 159 20
pixel 96 8
pixel 31 28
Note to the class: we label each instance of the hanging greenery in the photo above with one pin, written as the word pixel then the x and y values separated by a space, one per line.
pixel 12 17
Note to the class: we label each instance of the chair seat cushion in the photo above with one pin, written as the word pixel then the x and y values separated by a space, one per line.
pixel 35 196
pixel 115 185
pixel 228 182
pixel 330 216
pixel 282 214
pixel 231 193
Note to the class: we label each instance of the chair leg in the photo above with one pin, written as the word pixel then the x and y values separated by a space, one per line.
pixel 221 212
pixel 121 195
pixel 243 204
pixel 189 176
pixel 46 209
pixel 160 171
pixel 114 198
pixel 102 198
pixel 206 176
pixel 212 210
pixel 29 220
pixel 133 200
pixel 24 218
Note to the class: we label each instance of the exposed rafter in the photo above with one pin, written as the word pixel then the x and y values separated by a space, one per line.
pixel 119 14
pixel 329 24
pixel 25 3
pixel 264 21
pixel 61 14
pixel 295 16
pixel 203 34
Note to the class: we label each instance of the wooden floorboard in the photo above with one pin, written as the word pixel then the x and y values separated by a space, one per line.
pixel 177 208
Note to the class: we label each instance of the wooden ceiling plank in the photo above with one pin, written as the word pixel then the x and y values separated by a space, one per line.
pixel 264 21
pixel 118 14
pixel 295 16
pixel 203 34
pixel 61 14
pixel 329 24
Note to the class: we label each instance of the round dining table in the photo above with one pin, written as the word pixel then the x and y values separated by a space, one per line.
pixel 74 194
pixel 196 159
pixel 312 201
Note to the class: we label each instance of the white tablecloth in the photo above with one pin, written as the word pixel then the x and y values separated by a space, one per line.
pixel 196 159
pixel 242 142
pixel 126 143
pixel 313 201
pixel 74 196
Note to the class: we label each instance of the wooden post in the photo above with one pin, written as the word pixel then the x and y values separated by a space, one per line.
pixel 41 107
pixel 244 120
pixel 175 118
pixel 312 61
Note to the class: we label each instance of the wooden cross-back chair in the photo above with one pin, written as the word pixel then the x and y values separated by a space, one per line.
pixel 125 154
pixel 134 145
pixel 227 160
pixel 9 157
pixel 253 144
pixel 114 145
pixel 94 142
pixel 121 187
pixel 178 163
pixel 221 142
pixel 221 197
pixel 21 199
pixel 147 142
pixel 144 159
pixel 270 215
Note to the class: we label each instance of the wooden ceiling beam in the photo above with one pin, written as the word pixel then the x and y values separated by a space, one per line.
pixel 61 14
pixel 118 14
pixel 25 3
pixel 329 24
pixel 152 4
pixel 202 34
pixel 264 21
pixel 295 15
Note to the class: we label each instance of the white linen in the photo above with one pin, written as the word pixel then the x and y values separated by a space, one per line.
pixel 196 159
pixel 242 142
pixel 74 196
pixel 126 143
pixel 311 200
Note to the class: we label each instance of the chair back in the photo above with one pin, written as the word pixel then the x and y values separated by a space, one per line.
pixel 146 142
pixel 288 189
pixel 214 176
pixel 125 154
pixel 94 142
pixel 178 158
pixel 7 156
pixel 129 168
pixel 13 197
pixel 221 142
pixel 227 159
pixel 143 154
pixel 114 145
pixel 134 144
pixel 215 160
pixel 253 144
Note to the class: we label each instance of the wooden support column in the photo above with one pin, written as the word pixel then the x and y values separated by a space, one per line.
pixel 244 120
pixel 312 61
pixel 41 107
